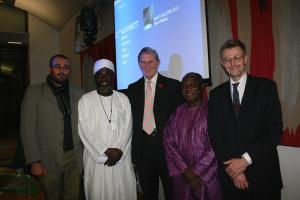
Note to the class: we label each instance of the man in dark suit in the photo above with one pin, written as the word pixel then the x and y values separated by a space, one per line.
pixel 245 127
pixel 152 104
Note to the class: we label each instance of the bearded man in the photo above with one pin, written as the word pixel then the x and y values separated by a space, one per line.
pixel 49 134
pixel 105 128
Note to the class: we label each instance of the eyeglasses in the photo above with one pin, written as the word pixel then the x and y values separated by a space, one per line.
pixel 227 61
pixel 151 62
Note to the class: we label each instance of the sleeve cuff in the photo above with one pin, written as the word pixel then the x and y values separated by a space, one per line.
pixel 102 159
pixel 247 158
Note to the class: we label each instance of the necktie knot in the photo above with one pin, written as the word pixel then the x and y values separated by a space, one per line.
pixel 235 85
pixel 149 88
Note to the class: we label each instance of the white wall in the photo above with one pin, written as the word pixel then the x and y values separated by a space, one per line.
pixel 290 171
pixel 67 45
pixel 44 43
pixel 106 23
pixel 67 39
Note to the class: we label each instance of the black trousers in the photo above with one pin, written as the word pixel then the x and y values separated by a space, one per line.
pixel 251 195
pixel 152 166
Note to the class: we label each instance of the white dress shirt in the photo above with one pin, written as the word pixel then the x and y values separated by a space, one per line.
pixel 241 89
pixel 153 84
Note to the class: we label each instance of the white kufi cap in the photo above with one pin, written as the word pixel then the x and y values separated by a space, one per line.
pixel 103 63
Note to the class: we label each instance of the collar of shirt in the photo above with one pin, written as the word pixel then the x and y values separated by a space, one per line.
pixel 153 83
pixel 241 86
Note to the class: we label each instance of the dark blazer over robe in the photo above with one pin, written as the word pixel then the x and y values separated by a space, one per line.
pixel 167 98
pixel 257 130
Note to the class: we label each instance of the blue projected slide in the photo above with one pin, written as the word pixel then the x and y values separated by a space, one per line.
pixel 176 29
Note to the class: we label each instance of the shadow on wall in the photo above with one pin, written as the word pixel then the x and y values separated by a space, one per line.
pixel 175 67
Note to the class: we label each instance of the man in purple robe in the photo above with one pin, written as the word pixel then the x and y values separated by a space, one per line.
pixel 191 160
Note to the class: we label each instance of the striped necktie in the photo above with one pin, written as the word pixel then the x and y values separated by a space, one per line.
pixel 148 120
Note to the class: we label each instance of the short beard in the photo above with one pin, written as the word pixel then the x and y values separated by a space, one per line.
pixel 104 90
pixel 57 81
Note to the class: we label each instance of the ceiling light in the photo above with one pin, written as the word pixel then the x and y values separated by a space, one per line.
pixel 14 42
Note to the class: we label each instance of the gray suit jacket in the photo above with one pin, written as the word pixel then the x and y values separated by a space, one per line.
pixel 42 127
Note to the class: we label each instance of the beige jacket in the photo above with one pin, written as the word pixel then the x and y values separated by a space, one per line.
pixel 42 127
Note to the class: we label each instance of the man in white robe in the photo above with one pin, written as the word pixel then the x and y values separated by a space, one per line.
pixel 105 128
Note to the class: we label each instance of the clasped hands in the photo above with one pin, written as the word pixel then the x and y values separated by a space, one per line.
pixel 192 179
pixel 113 156
pixel 235 169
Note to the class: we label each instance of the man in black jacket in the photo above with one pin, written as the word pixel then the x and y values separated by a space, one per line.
pixel 245 127
pixel 153 98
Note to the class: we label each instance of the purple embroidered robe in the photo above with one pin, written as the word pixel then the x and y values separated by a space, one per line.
pixel 187 144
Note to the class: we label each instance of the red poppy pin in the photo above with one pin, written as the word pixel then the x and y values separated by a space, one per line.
pixel 161 85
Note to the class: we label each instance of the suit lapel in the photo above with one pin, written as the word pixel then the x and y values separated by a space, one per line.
pixel 141 91
pixel 228 99
pixel 140 97
pixel 46 92
pixel 74 112
pixel 158 91
pixel 73 98
pixel 249 89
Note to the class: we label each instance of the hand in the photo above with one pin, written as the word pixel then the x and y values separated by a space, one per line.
pixel 241 182
pixel 196 183
pixel 192 179
pixel 114 155
pixel 37 169
pixel 236 166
